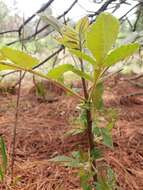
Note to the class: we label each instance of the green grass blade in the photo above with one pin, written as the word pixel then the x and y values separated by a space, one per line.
pixel 3 153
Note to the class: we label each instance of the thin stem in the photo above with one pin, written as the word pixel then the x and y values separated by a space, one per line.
pixel 15 128
pixel 22 77
pixel 91 140
pixel 83 81
pixel 88 117
pixel 21 36
pixel 94 85
pixel 82 68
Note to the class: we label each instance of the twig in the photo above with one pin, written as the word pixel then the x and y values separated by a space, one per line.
pixel 46 26
pixel 48 58
pixel 130 24
pixel 22 77
pixel 43 8
pixel 9 73
pixel 37 25
pixel 8 31
pixel 102 8
pixel 137 19
pixel 121 18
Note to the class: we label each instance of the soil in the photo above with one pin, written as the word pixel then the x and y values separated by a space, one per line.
pixel 41 135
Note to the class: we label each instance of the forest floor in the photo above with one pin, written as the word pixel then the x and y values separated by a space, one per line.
pixel 41 136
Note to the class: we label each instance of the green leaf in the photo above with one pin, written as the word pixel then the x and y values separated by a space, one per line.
pixel 97 96
pixel 1 174
pixel 107 137
pixel 5 67
pixel 121 53
pixel 66 161
pixel 76 131
pixel 96 131
pixel 2 57
pixel 60 70
pixel 83 118
pixel 69 38
pixel 81 28
pixel 67 42
pixel 107 182
pixel 80 156
pixel 82 25
pixel 40 90
pixel 61 159
pixel 96 153
pixel 85 176
pixel 56 24
pixel 76 155
pixel 102 185
pixel 3 153
pixel 69 33
pixel 110 126
pixel 84 56
pixel 2 61
pixel 102 35
pixel 19 58
pixel 111 179
pixel 105 133
pixel 86 186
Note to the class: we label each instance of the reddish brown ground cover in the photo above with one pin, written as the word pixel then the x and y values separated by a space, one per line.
pixel 41 136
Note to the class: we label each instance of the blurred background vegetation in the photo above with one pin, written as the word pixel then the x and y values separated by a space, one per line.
pixel 18 28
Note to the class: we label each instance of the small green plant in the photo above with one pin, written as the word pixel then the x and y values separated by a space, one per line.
pixel 93 45
pixel 3 163
pixel 39 89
